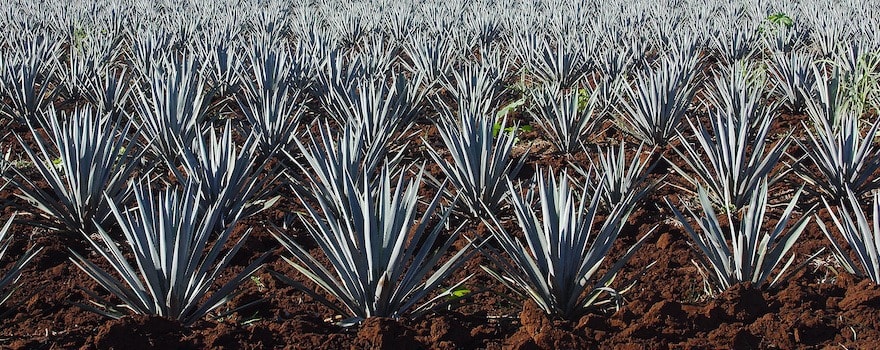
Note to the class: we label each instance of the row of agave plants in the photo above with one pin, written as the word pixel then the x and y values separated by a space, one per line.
pixel 151 131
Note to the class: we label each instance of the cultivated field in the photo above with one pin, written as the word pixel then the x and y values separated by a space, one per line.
pixel 443 174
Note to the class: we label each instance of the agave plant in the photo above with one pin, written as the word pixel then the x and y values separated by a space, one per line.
pixel 620 179
pixel 74 70
pixel 328 162
pixel 400 21
pixel 226 176
pixel 617 58
pixel 738 91
pixel 485 27
pixel 375 55
pixel 433 56
pixel 566 119
pixel 561 63
pixel 480 161
pixel 178 252
pixel 271 101
pixel 652 110
pixel 792 73
pixel 863 237
pixel 10 276
pixel 475 89
pixel 847 158
pixel 828 103
pixel 108 89
pixel 383 111
pixel 27 76
pixel 734 41
pixel 384 258
pixel 830 29
pixel 336 75
pixel 782 35
pixel 217 46
pixel 88 52
pixel 86 162
pixel 172 111
pixel 742 250
pixel 150 46
pixel 736 148
pixel 558 263
pixel 613 62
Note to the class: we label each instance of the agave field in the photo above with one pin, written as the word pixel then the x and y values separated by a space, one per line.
pixel 443 174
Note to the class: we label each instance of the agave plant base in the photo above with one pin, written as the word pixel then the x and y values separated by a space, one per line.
pixel 140 329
